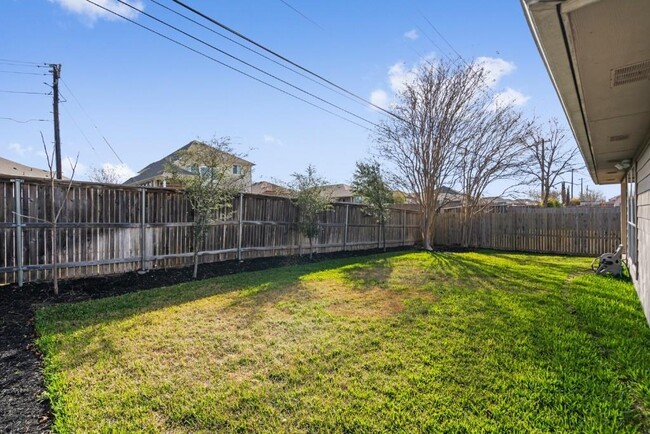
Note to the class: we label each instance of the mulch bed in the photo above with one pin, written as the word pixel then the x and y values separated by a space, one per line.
pixel 22 405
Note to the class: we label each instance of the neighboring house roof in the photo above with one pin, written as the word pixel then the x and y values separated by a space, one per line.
pixel 446 195
pixel 449 191
pixel 269 188
pixel 159 168
pixel 338 191
pixel 12 168
pixel 597 54
pixel 615 201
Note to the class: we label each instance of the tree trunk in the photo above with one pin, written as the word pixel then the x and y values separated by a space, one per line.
pixel 432 231
pixel 55 270
pixel 426 244
pixel 195 245
pixel 196 264
pixel 466 224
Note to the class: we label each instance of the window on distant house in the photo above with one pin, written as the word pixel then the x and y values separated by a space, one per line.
pixel 236 169
pixel 631 215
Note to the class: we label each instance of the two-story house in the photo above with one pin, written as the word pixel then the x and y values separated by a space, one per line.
pixel 159 173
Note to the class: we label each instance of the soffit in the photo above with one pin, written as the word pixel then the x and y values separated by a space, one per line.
pixel 582 42
pixel 605 36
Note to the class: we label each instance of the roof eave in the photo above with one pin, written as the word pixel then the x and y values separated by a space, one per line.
pixel 547 27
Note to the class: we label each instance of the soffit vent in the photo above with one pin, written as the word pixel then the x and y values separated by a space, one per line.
pixel 619 137
pixel 631 73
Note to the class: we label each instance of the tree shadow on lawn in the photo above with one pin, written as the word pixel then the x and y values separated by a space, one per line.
pixel 559 321
pixel 253 293
pixel 504 321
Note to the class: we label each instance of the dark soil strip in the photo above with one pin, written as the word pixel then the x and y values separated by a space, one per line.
pixel 22 405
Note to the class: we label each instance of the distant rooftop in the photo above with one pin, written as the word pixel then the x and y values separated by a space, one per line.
pixel 12 168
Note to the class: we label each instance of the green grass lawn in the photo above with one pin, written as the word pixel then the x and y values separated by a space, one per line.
pixel 400 342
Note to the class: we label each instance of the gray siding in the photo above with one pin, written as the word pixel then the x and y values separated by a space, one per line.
pixel 641 272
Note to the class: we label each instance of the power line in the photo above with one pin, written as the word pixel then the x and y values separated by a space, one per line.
pixel 301 14
pixel 443 38
pixel 268 50
pixel 24 92
pixel 23 62
pixel 486 89
pixel 426 35
pixel 268 74
pixel 79 128
pixel 21 65
pixel 228 66
pixel 21 72
pixel 270 59
pixel 91 121
pixel 25 121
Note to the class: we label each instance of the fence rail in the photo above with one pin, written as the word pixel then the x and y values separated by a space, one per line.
pixel 109 229
pixel 587 231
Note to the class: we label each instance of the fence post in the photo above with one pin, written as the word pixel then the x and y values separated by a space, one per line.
pixel 18 223
pixel 143 230
pixel 378 235
pixel 345 233
pixel 403 227
pixel 241 225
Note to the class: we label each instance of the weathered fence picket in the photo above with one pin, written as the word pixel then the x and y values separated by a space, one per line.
pixel 586 231
pixel 108 229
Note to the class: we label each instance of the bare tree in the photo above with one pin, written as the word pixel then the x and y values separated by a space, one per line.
pixel 421 143
pixel 491 151
pixel 548 157
pixel 55 212
pixel 312 200
pixel 554 197
pixel 104 175
pixel 205 172
pixel 592 196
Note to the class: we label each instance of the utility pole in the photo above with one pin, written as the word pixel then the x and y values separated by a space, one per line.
pixel 581 186
pixel 571 183
pixel 56 74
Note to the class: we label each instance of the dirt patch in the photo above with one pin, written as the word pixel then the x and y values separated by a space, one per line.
pixel 368 304
pixel 22 405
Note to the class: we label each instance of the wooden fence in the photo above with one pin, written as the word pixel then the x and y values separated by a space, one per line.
pixel 587 231
pixel 109 229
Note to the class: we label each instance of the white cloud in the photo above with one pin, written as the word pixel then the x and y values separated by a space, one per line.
pixel 92 13
pixel 379 98
pixel 399 74
pixel 17 148
pixel 26 151
pixel 495 68
pixel 272 140
pixel 509 97
pixel 412 35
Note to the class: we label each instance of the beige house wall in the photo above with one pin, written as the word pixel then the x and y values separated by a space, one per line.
pixel 641 269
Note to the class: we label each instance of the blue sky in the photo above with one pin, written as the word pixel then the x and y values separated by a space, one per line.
pixel 149 97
